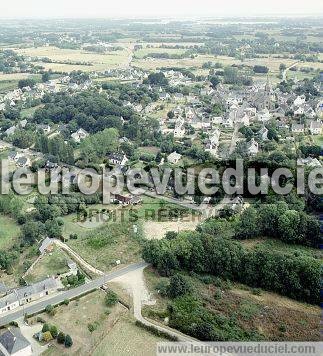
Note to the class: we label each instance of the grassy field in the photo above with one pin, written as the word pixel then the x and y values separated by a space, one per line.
pixel 318 140
pixel 75 318
pixel 193 64
pixel 29 112
pixel 102 247
pixel 98 61
pixel 275 317
pixel 115 330
pixel 127 339
pixel 52 264
pixel 7 85
pixel 279 246
pixel 9 232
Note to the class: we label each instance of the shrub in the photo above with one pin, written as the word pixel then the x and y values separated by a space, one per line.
pixel 53 330
pixel 282 328
pixel 111 299
pixel 68 341
pixel 178 286
pixel 49 309
pixel 66 301
pixel 91 327
pixel 45 328
pixel 162 287
pixel 61 338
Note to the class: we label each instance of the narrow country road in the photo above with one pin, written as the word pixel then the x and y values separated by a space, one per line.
pixel 286 70
pixel 72 293
pixel 77 257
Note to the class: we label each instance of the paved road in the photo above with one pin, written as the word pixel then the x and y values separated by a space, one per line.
pixel 72 293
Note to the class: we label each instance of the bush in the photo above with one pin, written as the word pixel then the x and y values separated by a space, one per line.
pixel 91 327
pixel 111 299
pixel 66 302
pixel 162 287
pixel 45 328
pixel 68 341
pixel 178 286
pixel 61 338
pixel 53 330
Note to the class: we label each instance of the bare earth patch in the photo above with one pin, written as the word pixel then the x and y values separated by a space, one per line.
pixel 155 230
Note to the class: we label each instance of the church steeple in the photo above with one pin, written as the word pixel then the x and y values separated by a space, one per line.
pixel 268 86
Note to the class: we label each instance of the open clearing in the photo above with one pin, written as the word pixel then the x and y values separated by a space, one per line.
pixel 53 263
pixel 75 318
pixel 155 230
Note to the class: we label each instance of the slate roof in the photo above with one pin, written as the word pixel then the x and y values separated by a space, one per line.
pixel 13 341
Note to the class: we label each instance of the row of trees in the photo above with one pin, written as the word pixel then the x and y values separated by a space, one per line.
pixel 297 277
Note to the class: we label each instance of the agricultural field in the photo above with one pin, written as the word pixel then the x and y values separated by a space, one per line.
pixel 188 63
pixel 141 53
pixel 97 61
pixel 318 140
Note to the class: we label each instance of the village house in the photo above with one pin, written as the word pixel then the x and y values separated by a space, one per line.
pixel 26 294
pixel 252 147
pixel 11 130
pixel 23 162
pixel 297 128
pixel 263 133
pixel 179 131
pixel 119 159
pixel 309 161
pixel 44 128
pixel 315 127
pixel 13 343
pixel 79 135
pixel 127 199
pixel 212 142
pixel 174 157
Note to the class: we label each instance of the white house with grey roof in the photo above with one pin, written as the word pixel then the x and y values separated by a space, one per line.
pixel 27 294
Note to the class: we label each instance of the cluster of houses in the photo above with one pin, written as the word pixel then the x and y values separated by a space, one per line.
pixel 22 95
pixel 255 104
pixel 13 298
